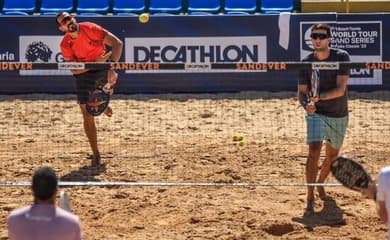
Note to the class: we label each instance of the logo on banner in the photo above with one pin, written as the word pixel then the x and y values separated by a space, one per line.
pixel 308 44
pixel 38 52
pixel 361 39
pixel 197 66
pixel 325 65
pixel 7 56
pixel 197 53
pixel 41 49
pixel 68 65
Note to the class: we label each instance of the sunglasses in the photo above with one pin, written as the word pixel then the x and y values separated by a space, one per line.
pixel 65 20
pixel 320 36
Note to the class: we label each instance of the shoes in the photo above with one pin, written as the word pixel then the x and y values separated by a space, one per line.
pixel 322 194
pixel 321 191
pixel 326 198
pixel 95 160
pixel 309 207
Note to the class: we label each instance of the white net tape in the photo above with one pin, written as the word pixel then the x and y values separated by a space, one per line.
pixel 171 184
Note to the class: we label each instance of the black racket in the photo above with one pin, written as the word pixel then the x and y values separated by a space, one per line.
pixel 350 173
pixel 97 102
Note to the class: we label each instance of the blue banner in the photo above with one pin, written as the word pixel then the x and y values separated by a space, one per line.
pixel 198 40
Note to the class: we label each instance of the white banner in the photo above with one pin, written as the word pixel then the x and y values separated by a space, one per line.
pixel 41 48
pixel 196 52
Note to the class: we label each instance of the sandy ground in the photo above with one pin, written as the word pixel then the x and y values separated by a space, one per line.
pixel 188 138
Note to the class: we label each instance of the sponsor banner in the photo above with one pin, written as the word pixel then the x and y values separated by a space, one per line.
pixel 202 67
pixel 358 38
pixel 7 56
pixel 325 66
pixel 196 52
pixel 364 76
pixel 41 48
pixel 361 39
pixel 14 66
pixel 71 65
pixel 181 56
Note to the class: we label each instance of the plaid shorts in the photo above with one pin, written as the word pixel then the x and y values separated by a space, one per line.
pixel 330 129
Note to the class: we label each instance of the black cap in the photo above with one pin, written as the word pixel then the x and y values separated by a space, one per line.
pixel 44 183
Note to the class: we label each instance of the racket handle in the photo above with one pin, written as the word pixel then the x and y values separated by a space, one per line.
pixel 64 201
pixel 309 102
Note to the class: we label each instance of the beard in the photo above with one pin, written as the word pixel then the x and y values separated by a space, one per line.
pixel 321 48
pixel 72 27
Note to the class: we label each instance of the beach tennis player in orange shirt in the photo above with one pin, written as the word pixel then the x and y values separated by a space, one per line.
pixel 88 42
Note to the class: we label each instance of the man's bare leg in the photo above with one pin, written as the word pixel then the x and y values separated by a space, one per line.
pixel 312 171
pixel 331 154
pixel 91 132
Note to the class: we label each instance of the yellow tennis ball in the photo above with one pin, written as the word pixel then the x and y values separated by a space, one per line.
pixel 143 17
pixel 241 143
pixel 237 138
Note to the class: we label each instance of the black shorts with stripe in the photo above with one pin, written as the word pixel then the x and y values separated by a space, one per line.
pixel 87 82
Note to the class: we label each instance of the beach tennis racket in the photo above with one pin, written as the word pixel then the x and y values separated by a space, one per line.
pixel 350 173
pixel 315 84
pixel 98 101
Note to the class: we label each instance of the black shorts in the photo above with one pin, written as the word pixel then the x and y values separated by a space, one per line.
pixel 87 82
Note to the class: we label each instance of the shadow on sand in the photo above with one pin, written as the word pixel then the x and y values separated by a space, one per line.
pixel 85 173
pixel 330 215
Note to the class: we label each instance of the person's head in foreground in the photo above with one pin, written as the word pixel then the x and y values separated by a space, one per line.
pixel 44 185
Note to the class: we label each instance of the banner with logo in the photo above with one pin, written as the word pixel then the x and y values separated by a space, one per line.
pixel 198 41
pixel 40 48
pixel 361 39
pixel 196 50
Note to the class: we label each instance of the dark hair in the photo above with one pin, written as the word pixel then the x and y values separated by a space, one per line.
pixel 44 183
pixel 322 26
pixel 60 14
